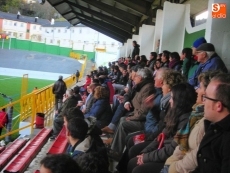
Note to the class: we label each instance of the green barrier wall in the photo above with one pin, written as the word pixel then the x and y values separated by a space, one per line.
pixel 44 48
pixel 190 38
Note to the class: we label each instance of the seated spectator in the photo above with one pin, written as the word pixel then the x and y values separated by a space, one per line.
pixel 90 99
pixel 87 82
pixel 189 137
pixel 134 121
pixel 76 93
pixel 194 62
pixel 124 77
pixel 186 57
pixel 152 59
pixel 209 60
pixel 213 153
pixel 69 102
pixel 165 58
pixel 101 108
pixel 92 163
pixel 93 138
pixel 165 79
pixel 174 61
pixel 156 67
pixel 59 163
pixel 116 74
pixel 3 119
pixel 143 61
pixel 76 131
pixel 152 158
pixel 121 110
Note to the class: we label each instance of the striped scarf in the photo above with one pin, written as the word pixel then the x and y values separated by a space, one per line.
pixel 182 135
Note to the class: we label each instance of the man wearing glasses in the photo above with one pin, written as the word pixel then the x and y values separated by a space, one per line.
pixel 209 60
pixel 214 152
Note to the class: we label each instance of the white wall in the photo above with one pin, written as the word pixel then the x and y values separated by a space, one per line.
pixel 158 28
pixel 218 32
pixel 146 35
pixel 129 47
pixel 173 30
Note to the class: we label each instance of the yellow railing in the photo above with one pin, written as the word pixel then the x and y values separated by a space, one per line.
pixel 41 101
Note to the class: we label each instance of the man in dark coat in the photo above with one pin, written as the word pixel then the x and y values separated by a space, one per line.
pixel 214 152
pixel 77 76
pixel 136 49
pixel 59 90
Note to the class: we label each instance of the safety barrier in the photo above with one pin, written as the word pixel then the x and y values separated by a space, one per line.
pixel 41 101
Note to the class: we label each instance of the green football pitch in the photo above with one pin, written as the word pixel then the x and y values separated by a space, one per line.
pixel 11 87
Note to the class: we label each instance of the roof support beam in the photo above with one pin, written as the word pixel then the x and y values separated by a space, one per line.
pixel 138 6
pixel 122 15
pixel 113 21
pixel 105 25
pixel 102 30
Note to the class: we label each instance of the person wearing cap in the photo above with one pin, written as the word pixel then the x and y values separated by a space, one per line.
pixel 59 90
pixel 209 60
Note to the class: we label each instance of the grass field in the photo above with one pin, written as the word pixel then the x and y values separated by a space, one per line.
pixel 11 86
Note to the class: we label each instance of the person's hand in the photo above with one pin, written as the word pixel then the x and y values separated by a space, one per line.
pixel 126 89
pixel 128 106
pixel 83 111
pixel 149 101
pixel 127 118
pixel 140 159
pixel 80 104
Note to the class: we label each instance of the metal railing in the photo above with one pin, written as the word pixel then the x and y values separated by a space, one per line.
pixel 41 101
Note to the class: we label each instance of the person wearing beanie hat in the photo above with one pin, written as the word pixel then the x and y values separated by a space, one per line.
pixel 209 60
pixel 197 43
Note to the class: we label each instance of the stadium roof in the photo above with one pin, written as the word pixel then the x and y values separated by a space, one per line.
pixel 118 19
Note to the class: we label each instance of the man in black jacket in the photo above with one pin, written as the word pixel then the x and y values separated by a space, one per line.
pixel 214 153
pixel 59 90
pixel 136 49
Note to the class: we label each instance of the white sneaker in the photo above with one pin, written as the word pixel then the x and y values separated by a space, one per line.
pixel 2 143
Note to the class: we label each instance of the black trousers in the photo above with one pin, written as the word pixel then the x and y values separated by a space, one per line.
pixel 131 151
pixel 150 167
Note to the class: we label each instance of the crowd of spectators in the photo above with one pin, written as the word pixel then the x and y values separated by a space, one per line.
pixel 165 114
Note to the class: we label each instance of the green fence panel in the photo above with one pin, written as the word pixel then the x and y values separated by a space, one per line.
pixel 22 44
pixel 190 38
pixel 65 51
pixel 52 49
pixel 39 47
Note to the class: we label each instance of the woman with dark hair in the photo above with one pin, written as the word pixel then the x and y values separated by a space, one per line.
pixel 174 61
pixel 152 158
pixel 143 61
pixel 165 58
pixel 186 57
pixel 156 66
pixel 116 74
pixel 159 56
pixel 152 60
pixel 101 109
pixel 189 137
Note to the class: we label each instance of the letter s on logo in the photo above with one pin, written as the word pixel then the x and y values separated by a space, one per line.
pixel 215 7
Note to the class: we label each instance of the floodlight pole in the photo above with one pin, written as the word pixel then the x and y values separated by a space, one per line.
pixel 9 43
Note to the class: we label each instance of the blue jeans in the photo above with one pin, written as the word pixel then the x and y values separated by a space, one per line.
pixel 120 112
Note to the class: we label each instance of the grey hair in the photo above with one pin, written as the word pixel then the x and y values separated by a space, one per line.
pixel 145 73
pixel 69 92
pixel 209 53
pixel 162 70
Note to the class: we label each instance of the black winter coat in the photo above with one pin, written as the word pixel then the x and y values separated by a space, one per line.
pixel 214 151
pixel 152 154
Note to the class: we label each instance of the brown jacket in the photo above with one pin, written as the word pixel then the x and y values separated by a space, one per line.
pixel 143 90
